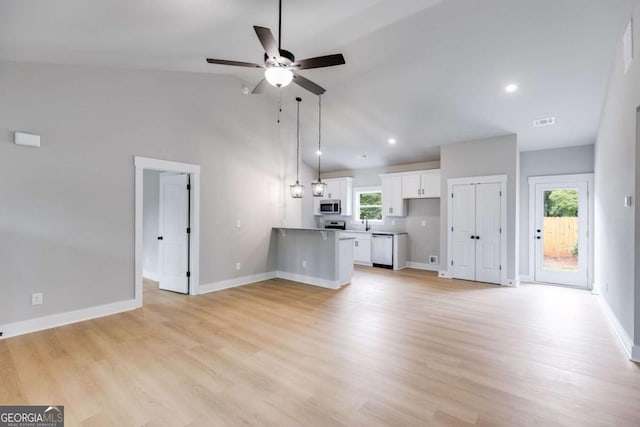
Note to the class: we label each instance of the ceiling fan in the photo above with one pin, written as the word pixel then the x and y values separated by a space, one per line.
pixel 280 65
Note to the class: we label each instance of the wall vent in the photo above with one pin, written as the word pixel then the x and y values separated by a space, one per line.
pixel 547 121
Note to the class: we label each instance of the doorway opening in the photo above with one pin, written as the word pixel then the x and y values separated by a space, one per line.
pixel 560 236
pixel 167 224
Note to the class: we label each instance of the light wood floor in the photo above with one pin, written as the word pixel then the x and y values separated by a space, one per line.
pixel 393 348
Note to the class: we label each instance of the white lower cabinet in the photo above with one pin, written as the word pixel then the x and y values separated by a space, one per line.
pixel 362 252
pixel 361 247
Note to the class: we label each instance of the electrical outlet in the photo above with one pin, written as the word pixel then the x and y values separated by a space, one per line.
pixel 393 222
pixel 304 263
pixel 238 265
pixel 238 224
pixel 423 223
pixel 36 299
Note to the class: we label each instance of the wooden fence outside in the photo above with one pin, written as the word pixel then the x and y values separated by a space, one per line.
pixel 560 236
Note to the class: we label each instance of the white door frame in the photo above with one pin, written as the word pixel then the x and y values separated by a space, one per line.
pixel 559 179
pixel 500 179
pixel 142 163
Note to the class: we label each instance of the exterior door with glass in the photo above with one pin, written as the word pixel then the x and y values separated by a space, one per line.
pixel 561 233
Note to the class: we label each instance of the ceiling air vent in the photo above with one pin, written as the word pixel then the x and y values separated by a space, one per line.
pixel 548 121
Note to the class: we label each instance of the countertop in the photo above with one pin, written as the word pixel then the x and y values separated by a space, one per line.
pixel 393 233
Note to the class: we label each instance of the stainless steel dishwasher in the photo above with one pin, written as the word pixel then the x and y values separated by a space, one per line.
pixel 382 250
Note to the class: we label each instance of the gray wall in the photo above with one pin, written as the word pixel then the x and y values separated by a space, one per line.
pixel 150 211
pixel 423 241
pixel 67 211
pixel 616 167
pixel 493 156
pixel 561 161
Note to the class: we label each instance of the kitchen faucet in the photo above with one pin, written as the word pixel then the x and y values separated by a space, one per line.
pixel 367 227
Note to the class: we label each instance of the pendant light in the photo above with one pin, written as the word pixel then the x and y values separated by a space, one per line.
pixel 318 187
pixel 297 189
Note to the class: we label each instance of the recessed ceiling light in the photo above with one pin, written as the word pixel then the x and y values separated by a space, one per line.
pixel 392 141
pixel 318 153
pixel 511 88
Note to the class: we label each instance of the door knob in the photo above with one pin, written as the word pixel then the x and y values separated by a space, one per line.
pixel 477 237
pixel 473 237
pixel 538 231
pixel 159 237
pixel 538 237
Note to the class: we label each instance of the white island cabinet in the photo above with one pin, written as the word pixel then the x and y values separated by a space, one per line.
pixel 313 256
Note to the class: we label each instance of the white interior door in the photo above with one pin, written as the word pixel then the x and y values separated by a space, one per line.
pixel 173 232
pixel 488 238
pixel 464 232
pixel 561 233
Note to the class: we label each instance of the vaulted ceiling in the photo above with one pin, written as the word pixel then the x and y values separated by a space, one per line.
pixel 426 72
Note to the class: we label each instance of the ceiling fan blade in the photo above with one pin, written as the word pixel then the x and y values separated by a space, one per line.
pixel 308 84
pixel 234 63
pixel 319 62
pixel 261 87
pixel 268 41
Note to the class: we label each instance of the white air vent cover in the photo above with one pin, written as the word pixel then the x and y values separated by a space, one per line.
pixel 547 121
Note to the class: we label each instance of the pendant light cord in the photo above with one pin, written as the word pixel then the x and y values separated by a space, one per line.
pixel 319 133
pixel 298 142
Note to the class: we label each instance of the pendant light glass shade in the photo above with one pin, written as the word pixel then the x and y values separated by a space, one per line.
pixel 297 189
pixel 278 76
pixel 318 187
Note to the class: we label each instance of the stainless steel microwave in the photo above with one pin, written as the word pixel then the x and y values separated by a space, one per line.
pixel 330 207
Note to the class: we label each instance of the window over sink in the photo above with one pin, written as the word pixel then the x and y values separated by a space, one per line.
pixel 368 204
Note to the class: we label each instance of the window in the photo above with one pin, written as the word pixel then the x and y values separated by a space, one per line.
pixel 368 204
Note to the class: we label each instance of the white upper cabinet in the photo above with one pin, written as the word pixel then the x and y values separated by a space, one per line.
pixel 392 202
pixel 421 184
pixel 337 189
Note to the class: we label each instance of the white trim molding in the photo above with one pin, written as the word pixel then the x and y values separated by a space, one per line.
pixel 423 266
pixel 151 275
pixel 309 280
pixel 234 283
pixel 632 351
pixel 144 163
pixel 559 179
pixel 490 179
pixel 61 319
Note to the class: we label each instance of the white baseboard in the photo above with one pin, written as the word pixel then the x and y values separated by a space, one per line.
pixel 444 274
pixel 61 319
pixel 423 266
pixel 526 278
pixel 511 283
pixel 232 283
pixel 632 352
pixel 151 275
pixel 309 280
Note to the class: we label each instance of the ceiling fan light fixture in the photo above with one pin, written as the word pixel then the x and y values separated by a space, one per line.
pixel 278 76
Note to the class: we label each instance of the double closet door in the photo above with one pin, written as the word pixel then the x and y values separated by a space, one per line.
pixel 476 232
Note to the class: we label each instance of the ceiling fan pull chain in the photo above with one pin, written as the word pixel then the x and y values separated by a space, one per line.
pixel 279 106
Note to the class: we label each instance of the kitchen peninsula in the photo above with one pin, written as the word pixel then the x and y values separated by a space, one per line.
pixel 314 256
